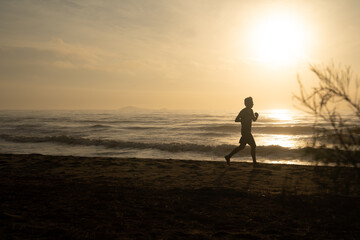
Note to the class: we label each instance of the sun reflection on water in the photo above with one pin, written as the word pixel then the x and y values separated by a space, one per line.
pixel 283 117
pixel 280 114
pixel 280 140
pixel 288 162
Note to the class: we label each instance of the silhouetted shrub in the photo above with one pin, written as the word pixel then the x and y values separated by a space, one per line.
pixel 335 104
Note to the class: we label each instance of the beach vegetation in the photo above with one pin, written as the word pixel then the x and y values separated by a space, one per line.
pixel 335 103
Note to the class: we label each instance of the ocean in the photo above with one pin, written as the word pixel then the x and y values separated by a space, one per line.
pixel 281 135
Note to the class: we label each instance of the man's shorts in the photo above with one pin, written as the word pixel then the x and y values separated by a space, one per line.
pixel 247 139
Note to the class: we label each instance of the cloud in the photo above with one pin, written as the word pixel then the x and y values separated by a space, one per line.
pixel 54 53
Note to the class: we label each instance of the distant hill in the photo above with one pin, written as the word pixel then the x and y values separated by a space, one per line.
pixel 132 109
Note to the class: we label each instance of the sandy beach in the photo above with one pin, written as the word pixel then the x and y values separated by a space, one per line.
pixel 66 197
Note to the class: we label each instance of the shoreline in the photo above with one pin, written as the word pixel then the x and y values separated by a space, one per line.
pixel 239 158
pixel 68 197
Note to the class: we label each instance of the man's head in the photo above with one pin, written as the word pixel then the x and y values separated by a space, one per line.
pixel 248 102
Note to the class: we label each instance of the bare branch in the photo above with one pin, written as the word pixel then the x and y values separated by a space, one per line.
pixel 334 87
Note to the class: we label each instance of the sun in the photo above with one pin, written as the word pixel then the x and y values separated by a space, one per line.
pixel 279 38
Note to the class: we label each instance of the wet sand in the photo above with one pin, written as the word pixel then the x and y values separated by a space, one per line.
pixel 66 197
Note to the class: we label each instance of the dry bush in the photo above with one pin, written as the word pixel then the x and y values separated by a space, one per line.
pixel 335 104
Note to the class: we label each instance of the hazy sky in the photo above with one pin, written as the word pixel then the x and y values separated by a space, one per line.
pixel 177 54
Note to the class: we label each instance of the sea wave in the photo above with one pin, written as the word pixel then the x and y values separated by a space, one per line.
pixel 141 128
pixel 284 129
pixel 218 150
pixel 100 126
pixel 289 130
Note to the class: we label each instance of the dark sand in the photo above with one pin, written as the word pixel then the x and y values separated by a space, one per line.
pixel 64 197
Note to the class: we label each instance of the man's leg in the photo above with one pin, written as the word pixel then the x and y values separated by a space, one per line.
pixel 253 148
pixel 237 149
pixel 253 153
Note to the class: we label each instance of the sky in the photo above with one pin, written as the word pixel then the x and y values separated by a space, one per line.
pixel 178 54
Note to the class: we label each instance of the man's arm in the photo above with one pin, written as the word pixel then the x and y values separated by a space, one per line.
pixel 255 117
pixel 238 118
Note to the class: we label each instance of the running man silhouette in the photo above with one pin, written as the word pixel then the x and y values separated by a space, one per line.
pixel 246 116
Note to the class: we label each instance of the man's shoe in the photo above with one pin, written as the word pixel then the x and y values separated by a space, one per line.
pixel 227 158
